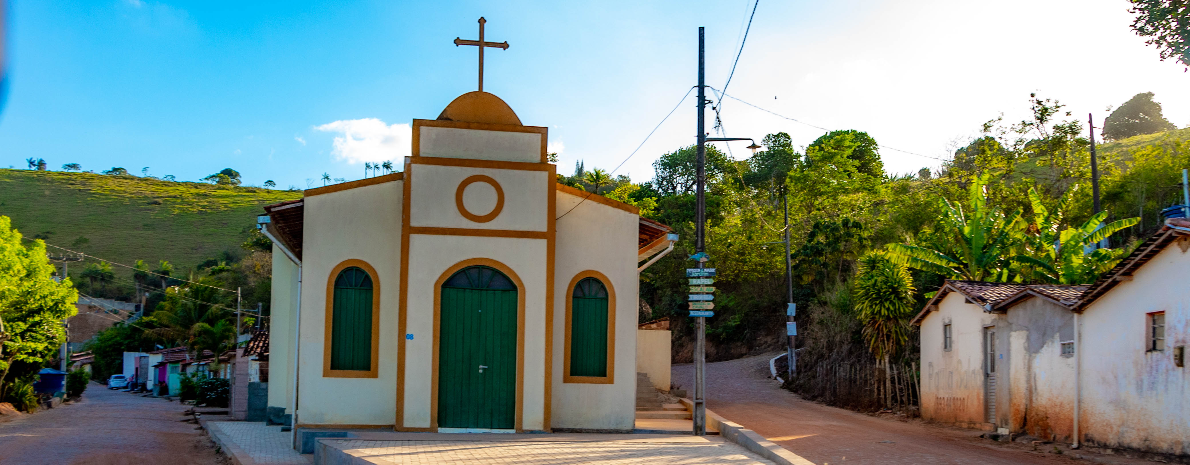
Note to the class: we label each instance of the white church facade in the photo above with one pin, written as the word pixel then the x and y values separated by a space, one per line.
pixel 469 292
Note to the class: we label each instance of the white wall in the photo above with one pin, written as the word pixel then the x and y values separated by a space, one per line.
pixel 1132 397
pixel 596 237
pixel 362 223
pixel 283 308
pixel 481 145
pixel 952 382
pixel 433 198
pixel 1041 379
pixel 653 355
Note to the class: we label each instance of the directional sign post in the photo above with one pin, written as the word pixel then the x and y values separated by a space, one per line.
pixel 699 272
pixel 701 314
pixel 702 289
pixel 702 305
pixel 701 281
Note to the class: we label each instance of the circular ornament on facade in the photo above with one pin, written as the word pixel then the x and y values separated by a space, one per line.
pixel 463 207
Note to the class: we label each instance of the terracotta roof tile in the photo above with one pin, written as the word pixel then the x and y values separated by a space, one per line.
pixel 984 293
pixel 259 344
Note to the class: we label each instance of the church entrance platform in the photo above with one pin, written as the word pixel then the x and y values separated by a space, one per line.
pixel 370 447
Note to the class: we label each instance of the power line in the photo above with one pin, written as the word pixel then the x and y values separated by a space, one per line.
pixel 820 127
pixel 642 144
pixel 150 289
pixel 126 266
pixel 741 51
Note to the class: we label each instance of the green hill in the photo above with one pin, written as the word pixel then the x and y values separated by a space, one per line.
pixel 127 218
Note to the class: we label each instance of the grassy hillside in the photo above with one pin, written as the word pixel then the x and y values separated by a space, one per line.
pixel 126 218
pixel 1125 147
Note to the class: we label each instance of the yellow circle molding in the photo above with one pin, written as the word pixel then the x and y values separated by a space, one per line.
pixel 463 208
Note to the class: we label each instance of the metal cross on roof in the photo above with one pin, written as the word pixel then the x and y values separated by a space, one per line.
pixel 481 44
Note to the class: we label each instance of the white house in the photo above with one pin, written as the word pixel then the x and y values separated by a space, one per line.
pixel 468 292
pixel 1102 364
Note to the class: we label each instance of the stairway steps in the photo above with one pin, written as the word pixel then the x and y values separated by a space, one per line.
pixel 663 415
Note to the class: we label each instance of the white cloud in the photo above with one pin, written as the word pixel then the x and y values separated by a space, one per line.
pixel 237 152
pixel 555 146
pixel 300 140
pixel 369 139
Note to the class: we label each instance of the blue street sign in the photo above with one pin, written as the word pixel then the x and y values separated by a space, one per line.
pixel 699 272
pixel 702 313
pixel 701 305
pixel 700 257
pixel 791 310
pixel 791 328
pixel 693 297
pixel 701 281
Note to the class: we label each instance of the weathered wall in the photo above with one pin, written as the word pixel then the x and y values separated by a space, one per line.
pixel 281 328
pixel 363 223
pixel 1041 379
pixel 653 355
pixel 952 382
pixel 1132 397
pixel 596 237
pixel 481 145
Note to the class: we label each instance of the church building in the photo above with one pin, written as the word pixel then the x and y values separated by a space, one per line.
pixel 470 292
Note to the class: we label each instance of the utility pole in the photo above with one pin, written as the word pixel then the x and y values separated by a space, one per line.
pixel 1094 166
pixel 789 312
pixel 700 355
pixel 237 338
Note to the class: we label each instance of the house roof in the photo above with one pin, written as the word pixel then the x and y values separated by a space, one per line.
pixel 1174 229
pixel 259 344
pixel 1064 295
pixel 983 294
pixel 169 350
pixel 287 220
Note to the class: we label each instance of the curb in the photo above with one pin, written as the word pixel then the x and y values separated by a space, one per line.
pixel 749 439
pixel 773 368
pixel 228 448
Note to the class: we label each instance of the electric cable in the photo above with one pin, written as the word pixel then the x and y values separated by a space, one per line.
pixel 125 266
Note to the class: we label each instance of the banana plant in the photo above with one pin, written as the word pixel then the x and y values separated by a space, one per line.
pixel 1068 255
pixel 973 244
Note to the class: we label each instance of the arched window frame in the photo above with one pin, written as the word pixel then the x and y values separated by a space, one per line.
pixel 327 372
pixel 611 331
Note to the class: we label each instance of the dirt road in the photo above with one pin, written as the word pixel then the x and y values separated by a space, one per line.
pixel 740 391
pixel 106 428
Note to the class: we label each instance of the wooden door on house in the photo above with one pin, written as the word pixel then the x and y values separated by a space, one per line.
pixel 989 368
pixel 477 349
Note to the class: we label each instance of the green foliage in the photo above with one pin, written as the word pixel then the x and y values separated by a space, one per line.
pixel 22 396
pixel 32 306
pixel 226 177
pixel 109 346
pixel 827 253
pixel 212 392
pixel 188 385
pixel 676 172
pixel 884 298
pixel 1138 116
pixel 116 171
pixel 597 178
pixel 1165 24
pixel 72 167
pixel 856 146
pixel 1067 254
pixel 76 382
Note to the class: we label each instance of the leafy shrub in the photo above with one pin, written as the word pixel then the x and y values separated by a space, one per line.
pixel 212 392
pixel 22 396
pixel 76 382
pixel 188 386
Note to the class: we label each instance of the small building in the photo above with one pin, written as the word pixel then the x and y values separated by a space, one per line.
pixel 1100 363
pixel 81 361
pixel 470 291
pixel 94 315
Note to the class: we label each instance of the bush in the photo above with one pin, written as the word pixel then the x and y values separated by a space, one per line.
pixel 22 397
pixel 212 392
pixel 188 386
pixel 76 382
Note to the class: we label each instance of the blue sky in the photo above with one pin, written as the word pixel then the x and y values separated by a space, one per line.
pixel 189 88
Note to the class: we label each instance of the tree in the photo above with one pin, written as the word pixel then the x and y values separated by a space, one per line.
pixel 32 162
pixel 72 167
pixel 184 309
pixel 326 178
pixel 855 145
pixel 676 172
pixel 1165 24
pixel 774 163
pixel 163 271
pixel 1139 115
pixel 974 244
pixel 270 184
pixel 116 171
pixel 367 168
pixel 597 178
pixel 32 306
pixel 388 166
pixel 883 296
pixel 98 273
pixel 225 177
pixel 1069 255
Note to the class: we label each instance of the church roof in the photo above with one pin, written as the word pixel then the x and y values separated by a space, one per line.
pixel 480 107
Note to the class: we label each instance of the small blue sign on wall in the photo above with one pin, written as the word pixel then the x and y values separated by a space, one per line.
pixel 701 314
pixel 791 328
pixel 409 337
pixel 791 310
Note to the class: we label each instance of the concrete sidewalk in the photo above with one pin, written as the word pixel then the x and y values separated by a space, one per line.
pixel 251 443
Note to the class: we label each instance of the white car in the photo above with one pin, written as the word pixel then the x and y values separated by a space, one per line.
pixel 117 382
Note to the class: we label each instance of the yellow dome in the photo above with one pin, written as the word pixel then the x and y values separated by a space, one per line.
pixel 480 107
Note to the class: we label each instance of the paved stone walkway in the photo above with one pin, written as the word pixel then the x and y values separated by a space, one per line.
pixel 259 443
pixel 617 449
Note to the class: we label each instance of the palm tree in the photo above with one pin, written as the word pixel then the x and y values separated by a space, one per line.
pixel 388 166
pixel 367 168
pixel 164 270
pixel 32 162
pixel 884 299
pixel 326 178
pixel 597 177
pixel 187 313
pixel 1069 255
pixel 973 245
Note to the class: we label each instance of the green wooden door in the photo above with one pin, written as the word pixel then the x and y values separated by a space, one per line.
pixel 477 350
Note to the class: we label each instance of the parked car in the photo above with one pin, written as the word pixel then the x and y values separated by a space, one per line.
pixel 117 382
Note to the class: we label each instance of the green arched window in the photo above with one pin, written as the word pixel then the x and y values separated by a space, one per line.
pixel 351 321
pixel 589 329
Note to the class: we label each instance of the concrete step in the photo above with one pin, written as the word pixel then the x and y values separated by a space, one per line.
pixel 674 407
pixel 663 414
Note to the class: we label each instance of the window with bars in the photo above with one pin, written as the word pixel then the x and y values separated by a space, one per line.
pixel 946 343
pixel 351 321
pixel 588 329
pixel 1157 332
pixel 1068 348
